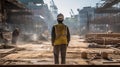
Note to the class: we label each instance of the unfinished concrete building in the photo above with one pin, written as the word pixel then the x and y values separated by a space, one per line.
pixel 33 20
pixel 5 10
pixel 111 9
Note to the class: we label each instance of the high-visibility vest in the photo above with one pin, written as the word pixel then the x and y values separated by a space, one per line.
pixel 61 34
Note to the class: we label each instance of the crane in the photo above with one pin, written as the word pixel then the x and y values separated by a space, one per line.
pixel 72 13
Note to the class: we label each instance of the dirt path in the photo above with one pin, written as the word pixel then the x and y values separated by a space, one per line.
pixel 42 53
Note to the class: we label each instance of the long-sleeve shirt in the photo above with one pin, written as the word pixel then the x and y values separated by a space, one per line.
pixel 53 35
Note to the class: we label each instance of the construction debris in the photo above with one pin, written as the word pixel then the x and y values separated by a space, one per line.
pixel 104 55
pixel 84 55
pixel 95 45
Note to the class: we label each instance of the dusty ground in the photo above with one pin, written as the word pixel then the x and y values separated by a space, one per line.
pixel 41 53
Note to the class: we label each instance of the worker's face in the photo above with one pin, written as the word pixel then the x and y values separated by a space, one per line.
pixel 60 18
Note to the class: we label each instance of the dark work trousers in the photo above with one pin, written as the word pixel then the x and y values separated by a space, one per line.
pixel 14 39
pixel 62 49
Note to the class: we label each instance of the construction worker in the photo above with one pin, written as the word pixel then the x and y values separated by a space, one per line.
pixel 60 39
pixel 15 35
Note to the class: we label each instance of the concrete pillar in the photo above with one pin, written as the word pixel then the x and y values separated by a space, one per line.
pixel 2 7
pixel 0 10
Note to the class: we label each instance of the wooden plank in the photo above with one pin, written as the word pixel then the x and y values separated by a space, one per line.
pixel 111 62
pixel 4 51
pixel 103 38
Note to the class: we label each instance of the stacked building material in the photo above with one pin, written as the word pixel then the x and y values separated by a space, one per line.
pixel 103 38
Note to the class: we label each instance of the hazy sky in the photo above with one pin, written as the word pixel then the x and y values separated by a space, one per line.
pixel 64 6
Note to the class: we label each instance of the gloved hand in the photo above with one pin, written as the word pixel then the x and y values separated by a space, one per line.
pixel 52 44
pixel 67 45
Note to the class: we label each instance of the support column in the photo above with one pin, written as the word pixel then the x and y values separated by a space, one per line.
pixel 1 11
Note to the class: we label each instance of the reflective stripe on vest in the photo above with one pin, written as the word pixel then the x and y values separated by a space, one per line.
pixel 61 34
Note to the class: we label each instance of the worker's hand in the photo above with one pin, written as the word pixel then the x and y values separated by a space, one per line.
pixel 67 45
pixel 52 44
